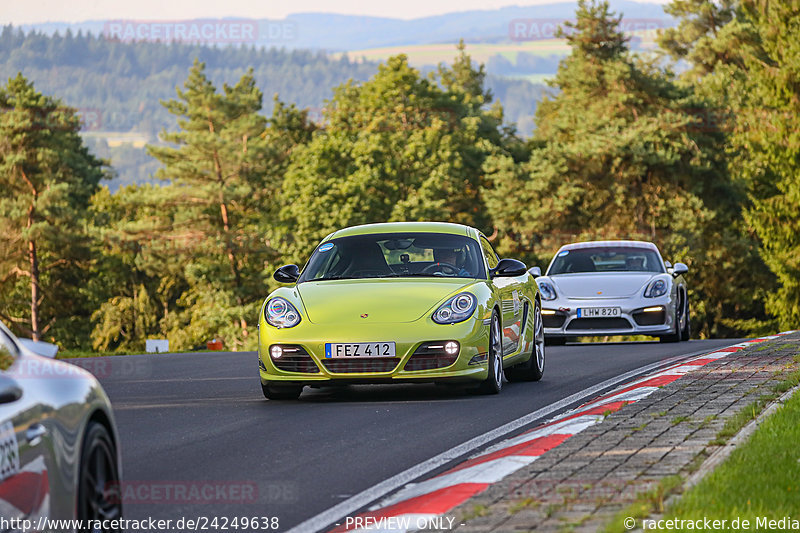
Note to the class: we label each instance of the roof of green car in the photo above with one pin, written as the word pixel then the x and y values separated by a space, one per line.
pixel 404 227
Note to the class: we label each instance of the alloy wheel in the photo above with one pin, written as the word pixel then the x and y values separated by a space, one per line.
pixel 99 495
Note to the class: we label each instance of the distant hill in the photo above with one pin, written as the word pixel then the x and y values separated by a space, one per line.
pixel 117 82
pixel 341 33
pixel 117 87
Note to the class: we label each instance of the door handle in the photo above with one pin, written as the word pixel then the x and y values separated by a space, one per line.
pixel 35 433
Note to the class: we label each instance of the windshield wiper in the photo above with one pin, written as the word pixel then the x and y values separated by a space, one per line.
pixel 426 275
pixel 395 275
pixel 331 278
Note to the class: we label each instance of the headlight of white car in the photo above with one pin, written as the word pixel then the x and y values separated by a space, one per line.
pixel 457 309
pixel 547 290
pixel 655 289
pixel 280 313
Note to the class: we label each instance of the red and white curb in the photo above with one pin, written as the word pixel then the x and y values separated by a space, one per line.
pixel 421 505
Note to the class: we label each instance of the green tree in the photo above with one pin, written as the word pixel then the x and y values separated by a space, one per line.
pixel 705 35
pixel 225 166
pixel 47 177
pixel 137 276
pixel 765 99
pixel 620 153
pixel 748 62
pixel 218 169
pixel 187 260
pixel 397 147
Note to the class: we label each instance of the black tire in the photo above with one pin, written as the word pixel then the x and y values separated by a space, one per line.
pixel 99 492
pixel 555 341
pixel 533 368
pixel 281 392
pixel 686 331
pixel 494 380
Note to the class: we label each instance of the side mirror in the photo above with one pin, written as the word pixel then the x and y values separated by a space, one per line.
pixel 9 390
pixel 679 269
pixel 508 268
pixel 535 271
pixel 287 274
pixel 45 349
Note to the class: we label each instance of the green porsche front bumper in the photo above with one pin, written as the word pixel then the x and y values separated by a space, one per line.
pixel 420 353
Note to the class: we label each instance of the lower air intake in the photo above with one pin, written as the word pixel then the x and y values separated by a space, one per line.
pixel 361 365
pixel 598 324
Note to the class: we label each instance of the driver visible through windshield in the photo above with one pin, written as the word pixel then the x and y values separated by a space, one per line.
pixel 606 259
pixel 395 255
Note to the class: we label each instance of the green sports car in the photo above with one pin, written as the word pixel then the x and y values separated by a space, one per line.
pixel 401 302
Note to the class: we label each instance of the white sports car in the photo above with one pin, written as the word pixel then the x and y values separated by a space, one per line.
pixel 613 288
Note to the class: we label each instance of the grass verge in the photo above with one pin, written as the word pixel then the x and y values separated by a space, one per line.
pixel 783 434
pixel 734 424
pixel 760 479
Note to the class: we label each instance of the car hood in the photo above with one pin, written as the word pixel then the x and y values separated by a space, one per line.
pixel 381 300
pixel 602 285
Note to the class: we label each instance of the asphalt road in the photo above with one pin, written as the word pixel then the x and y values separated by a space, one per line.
pixel 198 423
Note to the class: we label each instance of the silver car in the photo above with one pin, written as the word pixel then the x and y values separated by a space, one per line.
pixel 59 452
pixel 613 288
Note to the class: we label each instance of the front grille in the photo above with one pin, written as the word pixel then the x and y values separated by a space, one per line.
pixel 653 318
pixel 361 364
pixel 295 359
pixel 553 321
pixel 599 324
pixel 430 355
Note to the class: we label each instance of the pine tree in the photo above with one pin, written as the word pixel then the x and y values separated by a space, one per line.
pixel 620 153
pixel 708 34
pixel 47 177
pixel 137 276
pixel 397 147
pixel 218 170
pixel 745 57
pixel 765 96
pixel 225 167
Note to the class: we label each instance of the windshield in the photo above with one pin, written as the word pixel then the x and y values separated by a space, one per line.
pixel 606 259
pixel 395 255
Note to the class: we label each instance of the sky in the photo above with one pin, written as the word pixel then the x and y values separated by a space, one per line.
pixel 38 11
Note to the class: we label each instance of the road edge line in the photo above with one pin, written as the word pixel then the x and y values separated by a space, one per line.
pixel 330 516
